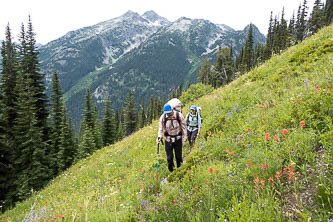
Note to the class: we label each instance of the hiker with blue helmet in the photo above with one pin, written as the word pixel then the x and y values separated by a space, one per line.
pixel 193 121
pixel 172 125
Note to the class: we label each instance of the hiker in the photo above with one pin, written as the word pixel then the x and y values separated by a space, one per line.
pixel 173 125
pixel 193 121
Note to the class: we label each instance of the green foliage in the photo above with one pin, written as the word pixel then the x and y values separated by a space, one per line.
pixel 194 92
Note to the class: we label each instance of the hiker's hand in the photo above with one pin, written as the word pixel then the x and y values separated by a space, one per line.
pixel 184 143
pixel 198 134
pixel 158 140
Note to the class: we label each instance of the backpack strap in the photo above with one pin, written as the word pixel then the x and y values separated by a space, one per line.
pixel 179 123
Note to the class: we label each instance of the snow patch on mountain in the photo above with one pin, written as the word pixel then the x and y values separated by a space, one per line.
pixel 182 24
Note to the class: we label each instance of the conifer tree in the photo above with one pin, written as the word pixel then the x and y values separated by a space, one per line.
pixel 150 113
pixel 329 11
pixel 8 114
pixel 317 18
pixel 283 32
pixel 97 129
pixel 291 31
pixel 116 120
pixel 204 73
pixel 141 116
pixel 121 129
pixel 109 125
pixel 67 147
pixel 269 39
pixel 301 26
pixel 30 65
pixel 248 50
pixel 56 121
pixel 31 153
pixel 130 114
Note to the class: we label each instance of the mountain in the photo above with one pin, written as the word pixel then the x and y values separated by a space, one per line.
pixel 146 54
pixel 265 151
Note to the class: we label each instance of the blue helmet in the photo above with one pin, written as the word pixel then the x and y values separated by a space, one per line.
pixel 167 109
pixel 193 107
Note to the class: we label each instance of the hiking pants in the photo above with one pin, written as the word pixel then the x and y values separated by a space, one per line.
pixel 169 148
pixel 192 135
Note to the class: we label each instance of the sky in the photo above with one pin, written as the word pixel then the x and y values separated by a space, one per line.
pixel 52 19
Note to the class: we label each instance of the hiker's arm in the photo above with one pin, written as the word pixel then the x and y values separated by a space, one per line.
pixel 160 128
pixel 199 125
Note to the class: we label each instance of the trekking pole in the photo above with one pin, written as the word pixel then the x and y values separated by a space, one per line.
pixel 158 152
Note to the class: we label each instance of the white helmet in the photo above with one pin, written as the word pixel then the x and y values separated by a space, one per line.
pixel 175 104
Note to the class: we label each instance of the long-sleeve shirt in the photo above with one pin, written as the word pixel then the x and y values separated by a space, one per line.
pixel 172 127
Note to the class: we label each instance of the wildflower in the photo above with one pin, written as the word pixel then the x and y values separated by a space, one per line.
pixel 249 164
pixel 267 136
pixel 270 179
pixel 278 175
pixel 190 171
pixel 276 137
pixel 235 156
pixel 217 170
pixel 209 133
pixel 262 182
pixel 80 207
pixel 300 100
pixel 143 186
pixel 264 166
pixel 291 175
pixel 302 124
pixel 249 146
pixel 207 182
pixel 118 201
pixel 175 201
pixel 240 136
pixel 52 219
pixel 291 167
pixel 249 129
pixel 110 182
pixel 210 170
pixel 60 215
pixel 285 132
pixel 232 153
pixel 317 87
pixel 328 86
pixel 256 181
pixel 196 188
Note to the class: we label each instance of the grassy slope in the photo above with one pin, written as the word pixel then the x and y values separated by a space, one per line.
pixel 117 182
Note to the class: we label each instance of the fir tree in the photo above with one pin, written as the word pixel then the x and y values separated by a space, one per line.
pixel 204 75
pixel 109 125
pixel 130 114
pixel 150 113
pixel 269 39
pixel 317 18
pixel 141 116
pixel 248 50
pixel 301 26
pixel 329 11
pixel 57 112
pixel 67 146
pixel 291 31
pixel 8 114
pixel 31 154
pixel 30 65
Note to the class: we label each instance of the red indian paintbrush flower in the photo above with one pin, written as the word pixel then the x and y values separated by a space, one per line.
pixel 270 179
pixel 267 136
pixel 302 124
pixel 210 170
pixel 249 164
pixel 285 132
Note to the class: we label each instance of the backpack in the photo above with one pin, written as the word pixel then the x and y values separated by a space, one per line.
pixel 198 114
pixel 178 120
pixel 175 104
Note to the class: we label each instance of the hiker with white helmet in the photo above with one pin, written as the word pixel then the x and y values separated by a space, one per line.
pixel 173 126
pixel 193 120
